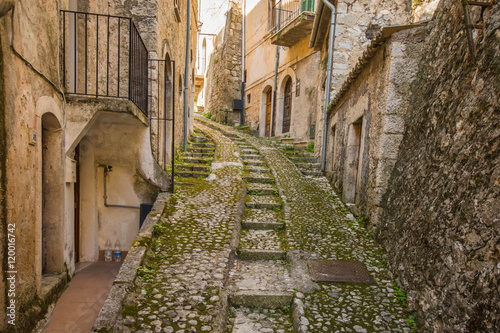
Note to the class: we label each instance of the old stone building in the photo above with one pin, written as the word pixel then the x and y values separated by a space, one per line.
pixel 88 90
pixel 411 148
pixel 223 86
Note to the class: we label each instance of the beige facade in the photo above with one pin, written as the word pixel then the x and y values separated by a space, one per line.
pixel 71 160
pixel 296 95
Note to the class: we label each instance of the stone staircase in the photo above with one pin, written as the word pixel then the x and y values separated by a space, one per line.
pixel 307 163
pixel 259 286
pixel 195 161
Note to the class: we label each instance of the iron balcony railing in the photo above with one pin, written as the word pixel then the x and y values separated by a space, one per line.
pixel 285 11
pixel 104 56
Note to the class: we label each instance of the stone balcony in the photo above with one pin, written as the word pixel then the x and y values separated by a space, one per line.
pixel 294 30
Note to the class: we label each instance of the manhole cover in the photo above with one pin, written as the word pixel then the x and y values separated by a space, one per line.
pixel 338 271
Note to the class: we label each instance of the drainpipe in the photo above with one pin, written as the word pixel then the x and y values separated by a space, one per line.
pixel 107 169
pixel 329 80
pixel 6 6
pixel 276 72
pixel 243 79
pixel 186 72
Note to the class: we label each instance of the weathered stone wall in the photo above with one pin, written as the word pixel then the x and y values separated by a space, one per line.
pixel 357 21
pixel 26 96
pixel 223 82
pixel 365 126
pixel 441 227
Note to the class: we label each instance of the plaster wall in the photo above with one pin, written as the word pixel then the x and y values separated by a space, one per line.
pixel 298 62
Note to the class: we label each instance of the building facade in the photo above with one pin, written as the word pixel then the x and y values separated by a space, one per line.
pixel 87 96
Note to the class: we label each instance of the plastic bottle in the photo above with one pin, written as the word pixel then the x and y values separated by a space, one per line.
pixel 118 251
pixel 108 253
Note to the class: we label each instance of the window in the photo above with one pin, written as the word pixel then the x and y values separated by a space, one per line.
pixel 249 98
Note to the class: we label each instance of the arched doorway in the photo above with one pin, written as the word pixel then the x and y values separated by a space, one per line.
pixel 269 99
pixel 287 107
pixel 52 195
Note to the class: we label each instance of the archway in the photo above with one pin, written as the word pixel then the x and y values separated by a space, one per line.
pixel 52 195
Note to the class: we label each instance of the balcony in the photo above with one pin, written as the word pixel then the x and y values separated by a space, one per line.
pixel 104 57
pixel 293 21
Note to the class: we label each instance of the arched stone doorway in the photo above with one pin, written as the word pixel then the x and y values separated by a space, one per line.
pixel 52 195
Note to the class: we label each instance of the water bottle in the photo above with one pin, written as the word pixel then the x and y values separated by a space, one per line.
pixel 118 251
pixel 108 251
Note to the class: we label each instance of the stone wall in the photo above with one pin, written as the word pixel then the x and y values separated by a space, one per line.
pixel 357 22
pixel 223 83
pixel 441 227
pixel 366 124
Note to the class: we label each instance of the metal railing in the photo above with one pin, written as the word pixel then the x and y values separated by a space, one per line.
pixel 104 56
pixel 285 11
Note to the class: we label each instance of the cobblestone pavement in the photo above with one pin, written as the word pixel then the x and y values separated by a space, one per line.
pixel 178 286
pixel 220 262
pixel 319 224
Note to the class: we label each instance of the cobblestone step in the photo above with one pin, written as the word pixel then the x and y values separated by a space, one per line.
pixel 262 216
pixel 263 202
pixel 314 173
pixel 201 145
pixel 261 240
pixel 249 152
pixel 189 154
pixel 200 150
pixel 256 254
pixel 198 138
pixel 191 174
pixel 262 225
pixel 244 145
pixel 194 160
pixel 247 275
pixel 247 320
pixel 262 299
pixel 261 189
pixel 302 159
pixel 254 177
pixel 251 157
pixel 257 169
pixel 308 165
pixel 297 153
pixel 187 167
pixel 255 162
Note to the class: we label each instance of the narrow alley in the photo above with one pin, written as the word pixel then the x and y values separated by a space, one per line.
pixel 230 253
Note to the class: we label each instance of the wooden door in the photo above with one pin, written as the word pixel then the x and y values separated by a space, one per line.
pixel 268 113
pixel 287 110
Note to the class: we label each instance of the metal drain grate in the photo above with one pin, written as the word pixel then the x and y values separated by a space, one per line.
pixel 338 271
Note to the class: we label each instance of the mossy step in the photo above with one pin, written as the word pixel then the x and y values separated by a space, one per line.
pixel 255 163
pixel 258 178
pixel 200 150
pixel 257 169
pixel 230 135
pixel 303 159
pixel 198 139
pixel 314 173
pixel 238 139
pixel 308 165
pixel 263 202
pixel 194 160
pixel 202 168
pixel 262 215
pixel 191 174
pixel 297 153
pixel 261 189
pixel 189 154
pixel 290 147
pixel 202 145
pixel 249 151
pixel 254 254
pixel 253 225
pixel 265 299
pixel 251 157
pixel 245 146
